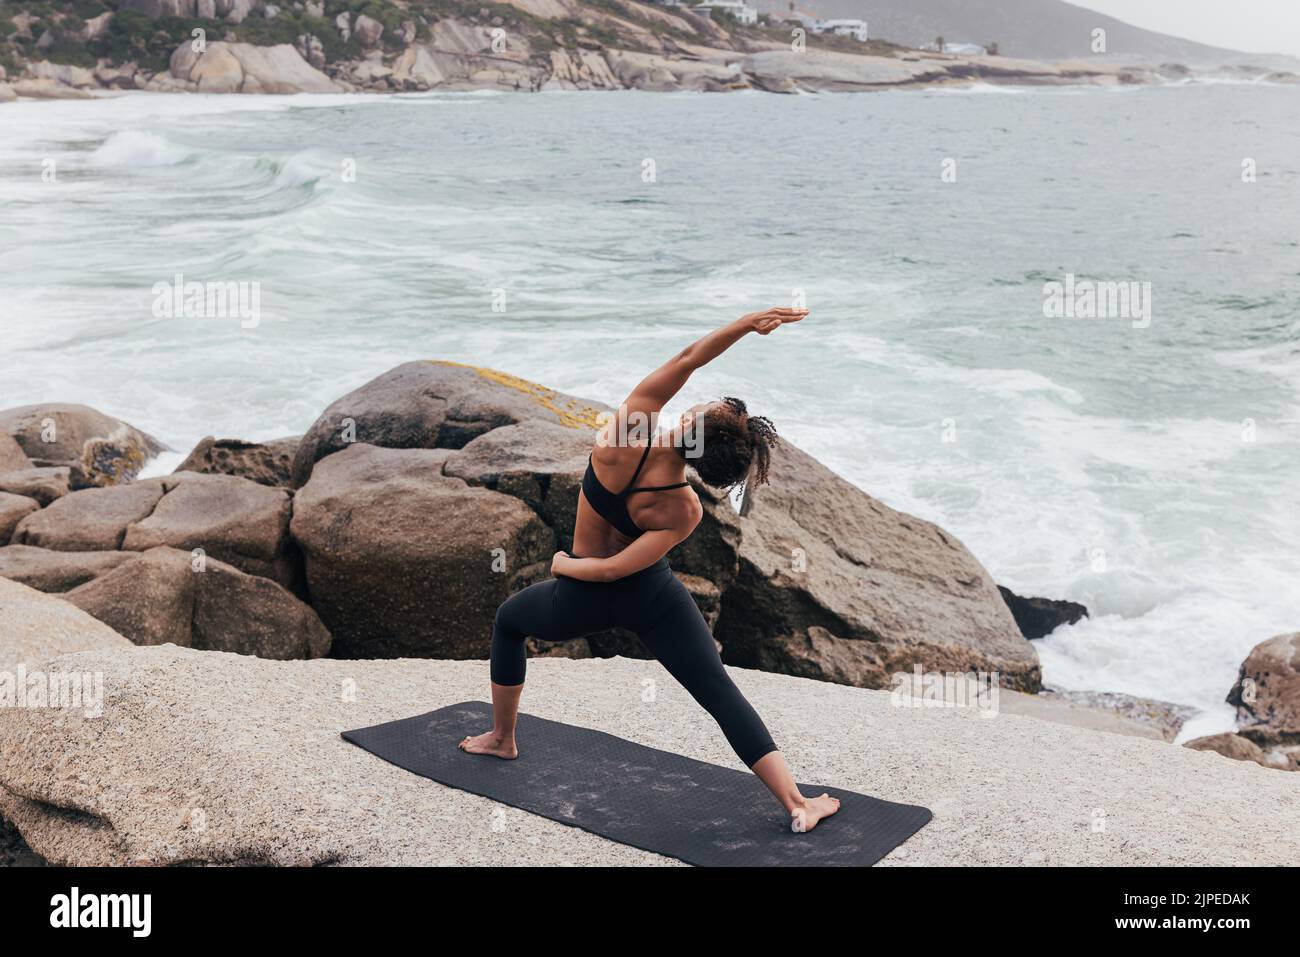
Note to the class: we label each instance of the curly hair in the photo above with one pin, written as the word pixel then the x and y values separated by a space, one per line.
pixel 736 446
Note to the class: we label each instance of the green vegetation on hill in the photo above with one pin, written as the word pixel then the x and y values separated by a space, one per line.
pixel 56 30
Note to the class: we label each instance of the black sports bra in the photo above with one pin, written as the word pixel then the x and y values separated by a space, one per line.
pixel 613 508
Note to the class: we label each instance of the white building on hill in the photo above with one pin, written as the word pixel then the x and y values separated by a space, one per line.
pixel 843 28
pixel 743 13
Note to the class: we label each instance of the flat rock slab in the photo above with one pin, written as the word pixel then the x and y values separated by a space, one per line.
pixel 203 756
pixel 693 811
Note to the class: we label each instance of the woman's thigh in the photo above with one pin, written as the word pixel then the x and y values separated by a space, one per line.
pixel 557 609
pixel 675 632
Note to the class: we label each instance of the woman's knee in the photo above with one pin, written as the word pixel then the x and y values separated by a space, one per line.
pixel 511 614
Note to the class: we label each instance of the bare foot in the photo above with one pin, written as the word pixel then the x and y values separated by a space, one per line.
pixel 493 744
pixel 805 818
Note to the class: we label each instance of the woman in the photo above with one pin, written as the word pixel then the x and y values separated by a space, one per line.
pixel 623 579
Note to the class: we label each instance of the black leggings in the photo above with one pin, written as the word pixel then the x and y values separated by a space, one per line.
pixel 658 608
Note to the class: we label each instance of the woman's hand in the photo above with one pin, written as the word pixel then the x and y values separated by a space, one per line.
pixel 559 561
pixel 769 319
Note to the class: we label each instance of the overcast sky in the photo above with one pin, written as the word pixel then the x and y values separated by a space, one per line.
pixel 1258 26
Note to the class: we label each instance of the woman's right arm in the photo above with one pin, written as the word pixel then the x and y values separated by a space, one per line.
pixel 658 388
pixel 642 553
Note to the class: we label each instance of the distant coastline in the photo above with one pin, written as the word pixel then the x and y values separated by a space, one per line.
pixel 248 46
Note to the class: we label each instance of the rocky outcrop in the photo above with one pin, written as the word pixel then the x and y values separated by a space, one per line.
pixel 97 449
pixel 228 518
pixel 35 627
pixel 38 89
pixel 1242 749
pixel 658 73
pixel 217 758
pixel 13 509
pixel 165 596
pixel 455 56
pixel 819 579
pixel 447 487
pixel 1039 617
pixel 1164 718
pixel 245 68
pixel 63 74
pixel 404 560
pixel 785 71
pixel 593 49
pixel 1267 694
pixel 266 463
pixel 580 70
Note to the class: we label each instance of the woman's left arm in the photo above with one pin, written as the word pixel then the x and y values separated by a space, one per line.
pixel 642 553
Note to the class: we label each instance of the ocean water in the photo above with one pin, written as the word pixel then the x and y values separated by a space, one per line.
pixel 1150 472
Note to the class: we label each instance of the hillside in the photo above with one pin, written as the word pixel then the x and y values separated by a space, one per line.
pixel 1041 29
pixel 75 48
pixel 331 33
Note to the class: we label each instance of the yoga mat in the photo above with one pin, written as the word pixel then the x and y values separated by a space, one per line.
pixel 655 800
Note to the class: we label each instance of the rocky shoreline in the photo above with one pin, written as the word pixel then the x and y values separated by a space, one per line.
pixel 251 46
pixel 394 527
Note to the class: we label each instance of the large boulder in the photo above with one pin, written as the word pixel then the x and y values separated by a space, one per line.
pixel 433 404
pixel 165 596
pixel 404 560
pixel 1267 693
pixel 97 448
pixel 367 31
pixel 215 70
pixel 267 463
pixel 225 67
pixel 50 571
pixel 832 584
pixel 13 509
pixel 203 757
pixel 231 519
pixel 35 626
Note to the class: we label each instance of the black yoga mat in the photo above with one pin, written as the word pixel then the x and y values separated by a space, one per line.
pixel 655 800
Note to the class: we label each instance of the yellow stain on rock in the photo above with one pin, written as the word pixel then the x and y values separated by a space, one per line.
pixel 570 412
